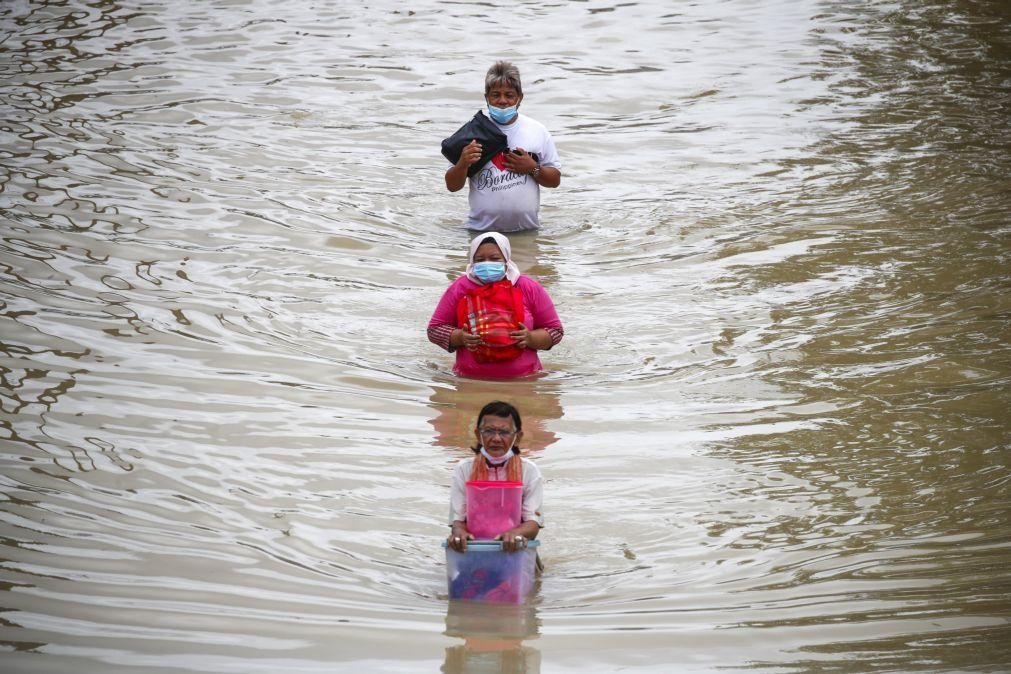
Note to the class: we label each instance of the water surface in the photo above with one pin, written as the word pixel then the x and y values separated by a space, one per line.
pixel 775 435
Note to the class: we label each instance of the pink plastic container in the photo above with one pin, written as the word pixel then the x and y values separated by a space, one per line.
pixel 493 507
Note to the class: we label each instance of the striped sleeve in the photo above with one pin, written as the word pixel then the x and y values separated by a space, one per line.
pixel 443 320
pixel 440 334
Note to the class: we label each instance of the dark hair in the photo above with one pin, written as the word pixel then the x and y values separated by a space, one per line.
pixel 498 408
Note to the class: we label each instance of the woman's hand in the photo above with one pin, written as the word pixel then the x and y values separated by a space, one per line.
pixel 466 340
pixel 458 537
pixel 522 337
pixel 531 339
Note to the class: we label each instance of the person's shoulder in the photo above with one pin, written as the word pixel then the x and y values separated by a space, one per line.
pixel 533 123
pixel 528 283
pixel 461 284
pixel 530 466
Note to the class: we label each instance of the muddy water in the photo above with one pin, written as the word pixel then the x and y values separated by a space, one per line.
pixel 775 435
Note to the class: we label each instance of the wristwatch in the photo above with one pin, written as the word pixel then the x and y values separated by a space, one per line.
pixel 536 172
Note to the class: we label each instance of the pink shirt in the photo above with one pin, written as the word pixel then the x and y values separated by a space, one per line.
pixel 538 310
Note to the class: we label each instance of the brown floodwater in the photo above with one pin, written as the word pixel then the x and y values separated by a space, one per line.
pixel 775 436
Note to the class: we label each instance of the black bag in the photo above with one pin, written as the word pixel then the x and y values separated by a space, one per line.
pixel 484 131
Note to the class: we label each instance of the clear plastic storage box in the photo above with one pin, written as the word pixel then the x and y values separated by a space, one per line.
pixel 486 573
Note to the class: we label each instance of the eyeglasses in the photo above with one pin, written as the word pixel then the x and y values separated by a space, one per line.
pixel 495 432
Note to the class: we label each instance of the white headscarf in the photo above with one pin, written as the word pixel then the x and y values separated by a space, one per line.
pixel 512 271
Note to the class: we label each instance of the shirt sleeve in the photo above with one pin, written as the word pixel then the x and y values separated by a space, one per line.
pixel 458 492
pixel 533 493
pixel 550 156
pixel 440 336
pixel 443 320
pixel 542 309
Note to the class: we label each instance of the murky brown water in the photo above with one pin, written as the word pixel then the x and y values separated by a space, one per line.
pixel 775 436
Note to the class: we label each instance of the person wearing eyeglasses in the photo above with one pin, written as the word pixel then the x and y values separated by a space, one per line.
pixel 494 318
pixel 505 193
pixel 499 431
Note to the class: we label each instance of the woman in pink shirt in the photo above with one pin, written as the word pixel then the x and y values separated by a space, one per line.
pixel 494 318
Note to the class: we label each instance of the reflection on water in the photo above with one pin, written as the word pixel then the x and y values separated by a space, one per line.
pixel 775 435
pixel 496 638
pixel 458 401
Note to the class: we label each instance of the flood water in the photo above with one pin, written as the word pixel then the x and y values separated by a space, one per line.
pixel 775 436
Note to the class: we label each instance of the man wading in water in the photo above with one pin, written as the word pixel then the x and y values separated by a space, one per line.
pixel 505 193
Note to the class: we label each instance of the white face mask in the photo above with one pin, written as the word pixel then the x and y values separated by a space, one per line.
pixel 498 460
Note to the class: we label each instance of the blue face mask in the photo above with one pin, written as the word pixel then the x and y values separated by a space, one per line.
pixel 502 115
pixel 489 272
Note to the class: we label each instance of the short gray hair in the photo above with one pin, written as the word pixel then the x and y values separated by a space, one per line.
pixel 503 72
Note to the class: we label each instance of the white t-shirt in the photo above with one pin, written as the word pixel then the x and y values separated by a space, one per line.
pixel 533 489
pixel 503 201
